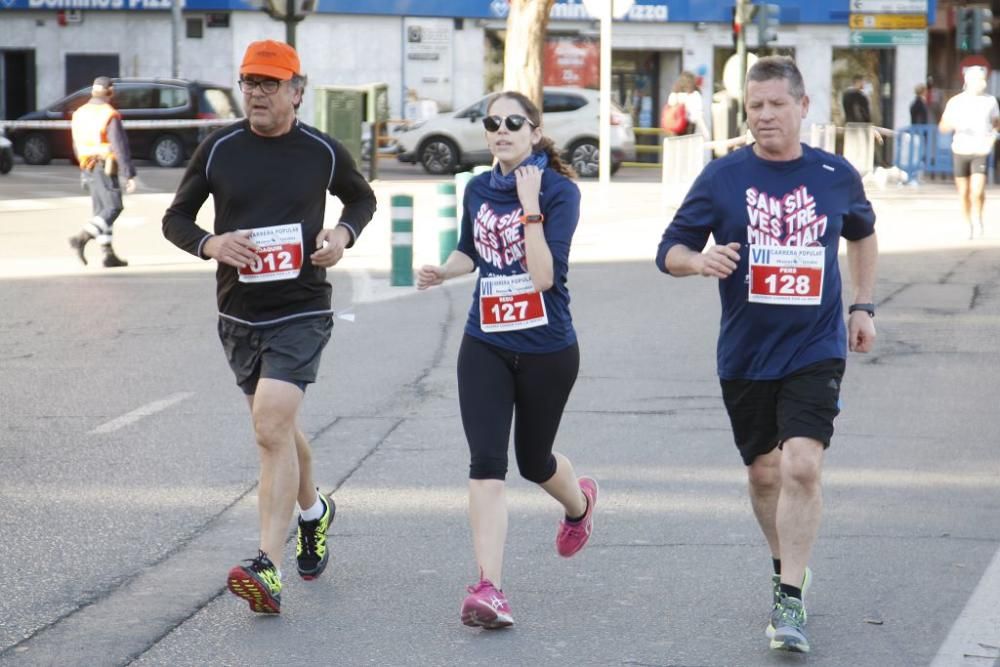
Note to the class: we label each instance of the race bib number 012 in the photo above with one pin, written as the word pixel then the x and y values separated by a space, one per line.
pixel 279 254
pixel 510 303
pixel 787 275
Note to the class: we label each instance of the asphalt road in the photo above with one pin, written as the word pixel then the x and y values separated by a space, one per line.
pixel 128 477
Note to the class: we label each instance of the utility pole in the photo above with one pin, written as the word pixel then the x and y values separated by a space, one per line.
pixel 741 16
pixel 176 30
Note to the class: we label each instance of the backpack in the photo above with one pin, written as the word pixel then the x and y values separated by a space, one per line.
pixel 673 121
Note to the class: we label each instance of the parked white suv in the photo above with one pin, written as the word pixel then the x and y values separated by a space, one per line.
pixel 454 140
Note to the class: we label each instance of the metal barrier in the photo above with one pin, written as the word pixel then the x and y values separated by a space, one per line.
pixel 859 146
pixel 128 124
pixel 683 158
pixel 923 150
pixel 824 137
pixel 646 148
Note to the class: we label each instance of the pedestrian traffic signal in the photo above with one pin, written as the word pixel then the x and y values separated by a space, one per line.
pixel 963 29
pixel 737 28
pixel 768 17
pixel 981 29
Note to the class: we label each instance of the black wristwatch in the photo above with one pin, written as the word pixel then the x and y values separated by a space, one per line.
pixel 867 307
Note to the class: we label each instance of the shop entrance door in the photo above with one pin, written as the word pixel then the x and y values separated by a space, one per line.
pixel 17 83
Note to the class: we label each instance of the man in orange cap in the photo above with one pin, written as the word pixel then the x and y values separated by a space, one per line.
pixel 269 176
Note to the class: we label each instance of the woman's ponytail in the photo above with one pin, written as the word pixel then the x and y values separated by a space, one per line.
pixel 556 163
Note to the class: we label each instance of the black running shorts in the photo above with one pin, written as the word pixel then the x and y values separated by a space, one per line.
pixel 765 413
pixel 966 165
pixel 289 351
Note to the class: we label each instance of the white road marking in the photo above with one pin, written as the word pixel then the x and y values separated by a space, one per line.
pixel 975 636
pixel 142 411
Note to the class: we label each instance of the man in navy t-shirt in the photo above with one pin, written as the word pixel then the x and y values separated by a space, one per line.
pixel 777 210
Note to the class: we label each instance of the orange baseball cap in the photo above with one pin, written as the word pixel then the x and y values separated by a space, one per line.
pixel 270 58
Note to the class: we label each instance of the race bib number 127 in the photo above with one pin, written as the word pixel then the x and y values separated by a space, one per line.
pixel 279 254
pixel 510 303
pixel 787 275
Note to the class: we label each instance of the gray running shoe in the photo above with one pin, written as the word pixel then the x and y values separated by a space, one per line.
pixel 789 621
pixel 776 596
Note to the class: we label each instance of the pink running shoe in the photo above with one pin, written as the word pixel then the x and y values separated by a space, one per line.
pixel 486 607
pixel 573 535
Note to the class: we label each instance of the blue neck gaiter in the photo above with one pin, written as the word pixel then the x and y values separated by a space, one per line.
pixel 498 181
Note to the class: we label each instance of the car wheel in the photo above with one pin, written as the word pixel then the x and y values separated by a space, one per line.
pixel 168 151
pixel 6 161
pixel 583 158
pixel 439 156
pixel 37 149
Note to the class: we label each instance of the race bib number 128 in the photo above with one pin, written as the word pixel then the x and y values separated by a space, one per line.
pixel 279 254
pixel 787 275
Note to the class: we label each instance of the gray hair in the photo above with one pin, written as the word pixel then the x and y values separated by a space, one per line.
pixel 298 84
pixel 770 68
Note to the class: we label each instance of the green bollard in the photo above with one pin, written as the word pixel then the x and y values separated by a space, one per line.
pixel 447 223
pixel 402 241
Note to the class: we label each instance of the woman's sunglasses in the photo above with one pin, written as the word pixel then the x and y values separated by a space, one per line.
pixel 514 122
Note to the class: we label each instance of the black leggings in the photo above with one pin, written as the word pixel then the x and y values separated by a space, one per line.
pixel 495 385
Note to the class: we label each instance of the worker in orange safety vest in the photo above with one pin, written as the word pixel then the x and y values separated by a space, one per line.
pixel 102 150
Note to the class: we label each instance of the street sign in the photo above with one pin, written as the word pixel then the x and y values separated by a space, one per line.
pixel 888 37
pixel 888 21
pixel 888 7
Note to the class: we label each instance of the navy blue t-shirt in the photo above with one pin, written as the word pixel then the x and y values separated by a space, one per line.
pixel 811 201
pixel 493 237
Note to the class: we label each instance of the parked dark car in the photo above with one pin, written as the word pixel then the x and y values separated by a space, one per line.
pixel 6 154
pixel 136 99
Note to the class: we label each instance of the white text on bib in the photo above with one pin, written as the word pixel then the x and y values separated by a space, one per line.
pixel 279 254
pixel 787 275
pixel 510 303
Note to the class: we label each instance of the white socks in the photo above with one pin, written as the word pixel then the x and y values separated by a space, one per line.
pixel 314 512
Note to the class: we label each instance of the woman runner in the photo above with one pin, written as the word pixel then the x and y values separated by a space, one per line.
pixel 519 357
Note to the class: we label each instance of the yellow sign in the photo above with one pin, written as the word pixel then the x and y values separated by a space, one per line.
pixel 888 21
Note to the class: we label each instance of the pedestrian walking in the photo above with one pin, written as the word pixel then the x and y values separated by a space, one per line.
pixel 973 115
pixel 102 151
pixel 519 356
pixel 857 107
pixel 269 176
pixel 777 210
pixel 920 114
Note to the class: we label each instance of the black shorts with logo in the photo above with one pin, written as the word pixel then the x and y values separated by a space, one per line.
pixel 967 165
pixel 765 413
pixel 289 351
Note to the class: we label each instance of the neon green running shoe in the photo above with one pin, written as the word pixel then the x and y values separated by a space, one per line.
pixel 258 583
pixel 311 554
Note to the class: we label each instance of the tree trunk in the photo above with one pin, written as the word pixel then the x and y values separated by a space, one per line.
pixel 527 23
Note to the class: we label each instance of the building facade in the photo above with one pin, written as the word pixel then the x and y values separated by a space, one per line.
pixel 448 51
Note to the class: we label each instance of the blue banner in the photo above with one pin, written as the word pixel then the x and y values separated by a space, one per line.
pixel 675 11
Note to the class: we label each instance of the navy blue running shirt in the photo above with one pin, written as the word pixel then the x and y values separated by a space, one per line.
pixel 492 236
pixel 811 201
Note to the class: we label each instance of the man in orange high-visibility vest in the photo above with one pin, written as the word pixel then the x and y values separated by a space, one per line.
pixel 101 148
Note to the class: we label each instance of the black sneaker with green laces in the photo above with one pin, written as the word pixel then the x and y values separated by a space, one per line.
pixel 258 583
pixel 311 553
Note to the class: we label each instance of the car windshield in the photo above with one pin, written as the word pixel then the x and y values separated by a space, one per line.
pixel 476 110
pixel 220 102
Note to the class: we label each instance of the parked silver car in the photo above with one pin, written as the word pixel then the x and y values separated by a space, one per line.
pixel 454 140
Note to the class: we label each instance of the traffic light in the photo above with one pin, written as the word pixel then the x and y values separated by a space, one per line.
pixel 767 16
pixel 737 29
pixel 980 29
pixel 963 28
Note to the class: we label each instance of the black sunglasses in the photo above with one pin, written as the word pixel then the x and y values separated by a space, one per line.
pixel 514 122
